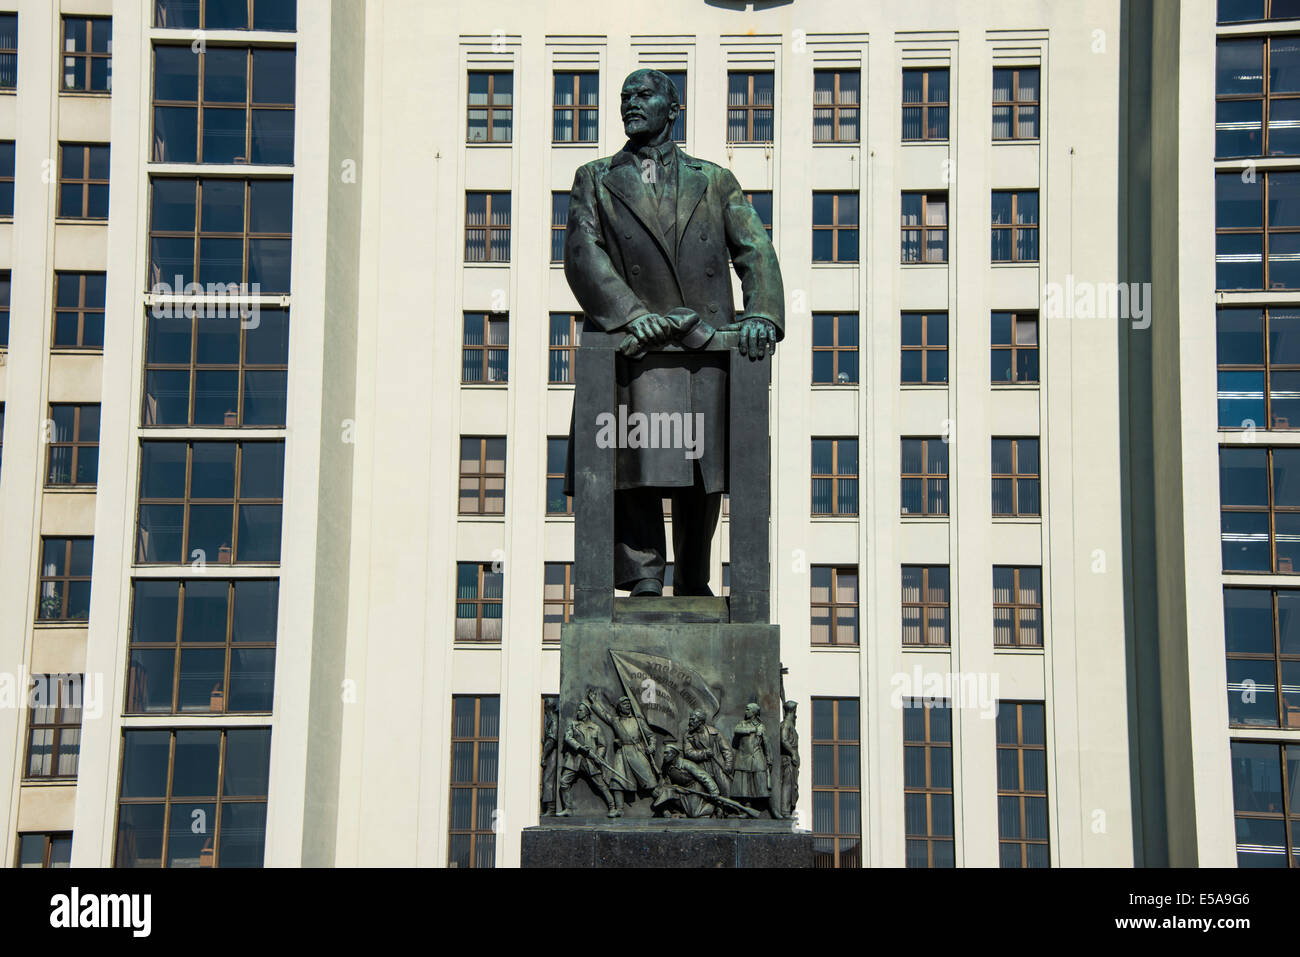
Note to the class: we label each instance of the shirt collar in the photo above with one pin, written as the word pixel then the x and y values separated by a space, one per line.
pixel 665 151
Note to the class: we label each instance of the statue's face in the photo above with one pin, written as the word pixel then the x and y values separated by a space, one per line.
pixel 624 706
pixel 646 109
pixel 751 712
pixel 583 712
pixel 696 719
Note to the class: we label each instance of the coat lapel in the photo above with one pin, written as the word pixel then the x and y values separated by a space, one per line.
pixel 691 185
pixel 624 181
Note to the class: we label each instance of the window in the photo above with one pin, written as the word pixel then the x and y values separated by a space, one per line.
pixel 835 227
pixel 212 502
pixel 482 475
pixel 87 54
pixel 557 598
pixel 1259 493
pixel 221 231
pixel 834 605
pixel 1257 231
pixel 73 438
pixel 45 850
pixel 835 106
pixel 750 99
pixel 487 339
pixel 4 309
pixel 1015 226
pixel 835 476
pixel 566 330
pixel 678 78
pixel 8 51
pixel 83 181
pixel 226 14
pixel 193 797
pixel 926 620
pixel 925 227
pixel 925 476
pixel 491 107
pixel 79 310
pixel 202 647
pixel 1259 368
pixel 1236 11
pixel 63 593
pixel 925 104
pixel 761 200
pixel 487 227
pixel 1015 478
pixel 835 349
pixel 559 222
pixel 474 750
pixel 53 726
pixel 726 579
pixel 223 105
pixel 577 98
pixel 1017 606
pixel 1022 785
pixel 478 602
pixel 1257 97
pixel 6 179
pixel 2 424
pixel 216 371
pixel 837 815
pixel 1013 340
pixel 1261 629
pixel 925 348
pixel 1265 798
pixel 1015 104
pixel 927 782
pixel 557 450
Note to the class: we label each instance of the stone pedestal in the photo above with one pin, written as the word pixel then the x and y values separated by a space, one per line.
pixel 688 843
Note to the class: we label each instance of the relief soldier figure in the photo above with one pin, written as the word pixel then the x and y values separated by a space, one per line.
pixel 550 732
pixel 789 761
pixel 707 747
pixel 649 234
pixel 584 754
pixel 632 769
pixel 683 779
pixel 752 780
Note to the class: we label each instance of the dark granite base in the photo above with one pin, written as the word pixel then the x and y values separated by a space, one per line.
pixel 677 843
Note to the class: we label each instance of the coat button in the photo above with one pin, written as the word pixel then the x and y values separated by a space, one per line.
pixel 709 271
pixel 636 270
pixel 713 307
pixel 704 237
pixel 627 235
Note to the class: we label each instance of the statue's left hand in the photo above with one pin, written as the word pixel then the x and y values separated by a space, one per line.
pixel 757 338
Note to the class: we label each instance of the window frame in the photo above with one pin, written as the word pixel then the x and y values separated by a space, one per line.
pixel 1014 227
pixel 483 569
pixel 570 351
pixel 1016 477
pixel 89 55
pixel 925 105
pixel 1265 97
pixel 178 645
pixel 925 348
pixel 1015 607
pixel 836 106
pixel 839 857
pixel 476 785
pixel 1022 792
pixel 482 475
pixel 489 229
pixel 251 19
pixel 10 51
pixel 835 227
pixel 82 310
pixel 838 319
pixel 64 581
pixel 1014 348
pixel 564 603
pixel 928 791
pixel 76 444
pixel 1266 367
pixel 577 107
pixel 553 476
pixel 923 228
pixel 925 477
pixel 49 839
pixel 926 607
pixel 835 477
pixel 1015 104
pixel 492 321
pixel 832 606
pixel 559 225
pixel 236 502
pixel 85 182
pixel 58 726
pixel 490 108
pixel 750 107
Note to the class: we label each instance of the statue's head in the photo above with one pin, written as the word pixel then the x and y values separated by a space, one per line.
pixel 790 708
pixel 649 104
pixel 583 712
pixel 751 711
pixel 695 720
pixel 625 705
pixel 671 752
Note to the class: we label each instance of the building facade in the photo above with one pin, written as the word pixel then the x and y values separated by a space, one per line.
pixel 288 376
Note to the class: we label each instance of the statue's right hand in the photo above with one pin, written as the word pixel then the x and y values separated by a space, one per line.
pixel 652 329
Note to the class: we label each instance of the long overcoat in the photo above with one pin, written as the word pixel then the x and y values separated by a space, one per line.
pixel 621 264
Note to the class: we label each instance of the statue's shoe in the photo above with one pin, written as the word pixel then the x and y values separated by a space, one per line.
pixel 648 588
pixel 614 812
